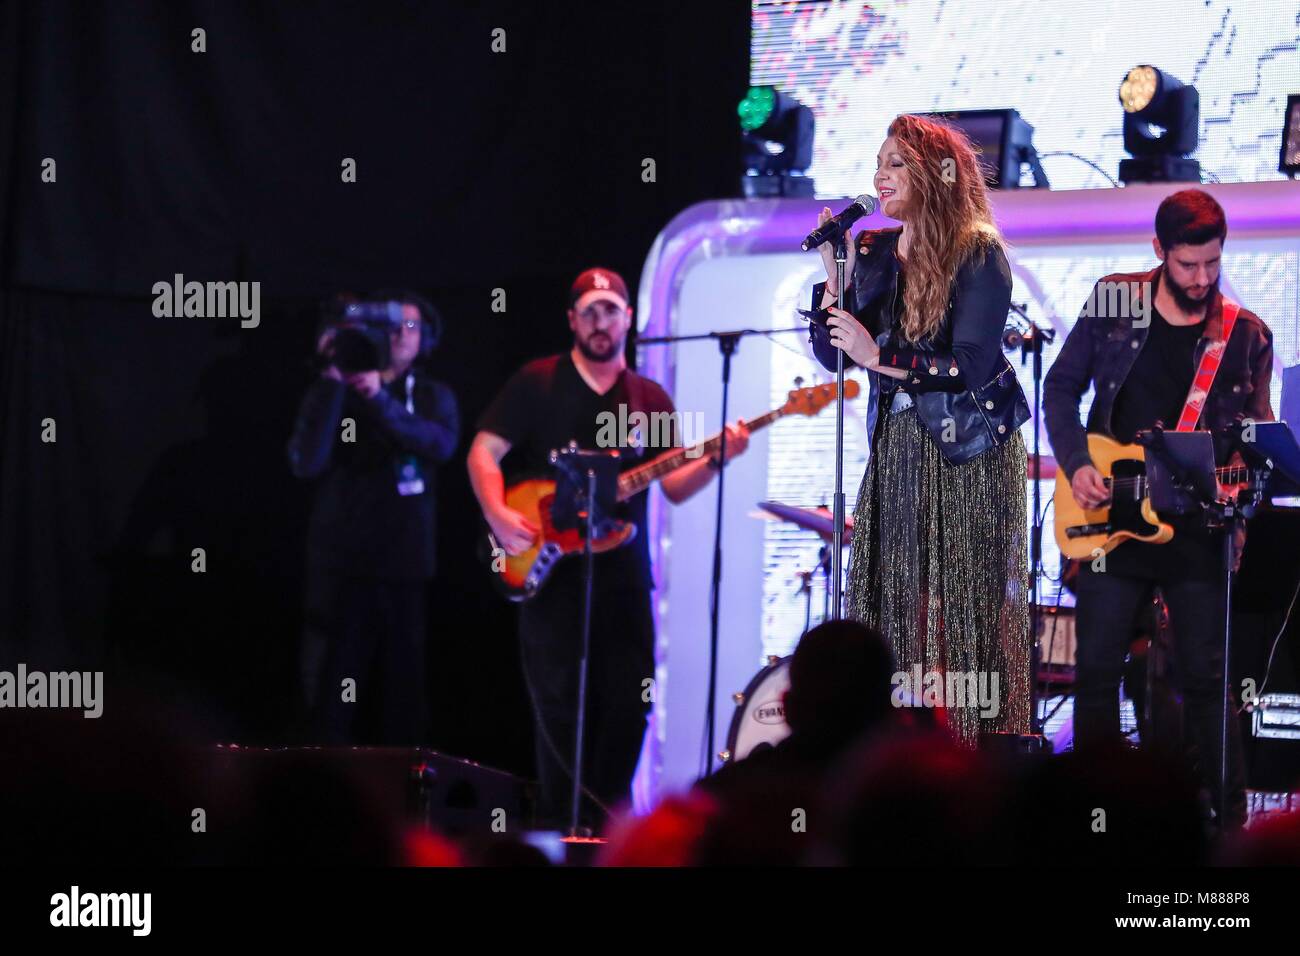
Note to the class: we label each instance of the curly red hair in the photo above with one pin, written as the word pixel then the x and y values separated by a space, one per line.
pixel 948 217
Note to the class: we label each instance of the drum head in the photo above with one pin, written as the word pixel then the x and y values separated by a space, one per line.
pixel 759 720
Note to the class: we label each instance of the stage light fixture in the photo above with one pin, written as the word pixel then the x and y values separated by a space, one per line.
pixel 776 142
pixel 1161 126
pixel 1003 142
pixel 1289 161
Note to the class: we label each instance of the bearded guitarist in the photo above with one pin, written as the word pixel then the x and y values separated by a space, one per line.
pixel 547 404
pixel 1140 350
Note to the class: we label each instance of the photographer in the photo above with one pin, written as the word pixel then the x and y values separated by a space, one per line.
pixel 371 429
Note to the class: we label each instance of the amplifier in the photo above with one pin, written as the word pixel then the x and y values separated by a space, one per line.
pixel 421 786
pixel 1056 637
pixel 1276 715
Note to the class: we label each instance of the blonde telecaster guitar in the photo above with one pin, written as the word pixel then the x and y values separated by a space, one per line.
pixel 1081 532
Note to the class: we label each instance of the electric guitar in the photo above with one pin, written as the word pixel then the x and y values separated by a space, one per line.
pixel 1128 514
pixel 521 576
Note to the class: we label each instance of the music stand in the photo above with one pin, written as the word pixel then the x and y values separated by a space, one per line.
pixel 1181 480
pixel 1180 472
pixel 1273 444
pixel 569 509
pixel 586 491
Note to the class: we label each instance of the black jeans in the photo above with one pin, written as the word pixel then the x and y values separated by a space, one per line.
pixel 618 699
pixel 1108 606
pixel 371 630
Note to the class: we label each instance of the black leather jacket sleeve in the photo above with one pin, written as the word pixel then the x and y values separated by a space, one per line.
pixel 980 300
pixel 819 333
pixel 1259 407
pixel 864 295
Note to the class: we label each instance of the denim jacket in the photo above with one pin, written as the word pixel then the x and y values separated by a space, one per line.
pixel 1105 343
pixel 964 388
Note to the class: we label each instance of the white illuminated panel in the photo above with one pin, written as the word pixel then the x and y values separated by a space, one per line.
pixel 1060 64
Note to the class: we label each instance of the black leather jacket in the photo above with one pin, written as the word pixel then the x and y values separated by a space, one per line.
pixel 964 388
pixel 1105 343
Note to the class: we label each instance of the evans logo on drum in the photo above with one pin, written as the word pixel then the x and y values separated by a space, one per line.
pixel 759 720
pixel 772 712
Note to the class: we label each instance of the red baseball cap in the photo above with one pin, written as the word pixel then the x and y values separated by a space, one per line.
pixel 598 283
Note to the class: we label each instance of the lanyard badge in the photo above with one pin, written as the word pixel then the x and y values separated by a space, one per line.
pixel 410 476
pixel 410 473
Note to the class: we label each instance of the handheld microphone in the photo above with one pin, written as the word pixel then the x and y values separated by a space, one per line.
pixel 864 205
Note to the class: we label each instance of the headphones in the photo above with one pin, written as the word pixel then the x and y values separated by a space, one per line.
pixel 430 318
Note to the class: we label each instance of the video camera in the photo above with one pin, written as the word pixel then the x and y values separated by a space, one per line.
pixel 361 341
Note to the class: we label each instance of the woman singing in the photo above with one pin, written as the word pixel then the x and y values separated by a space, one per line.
pixel 938 562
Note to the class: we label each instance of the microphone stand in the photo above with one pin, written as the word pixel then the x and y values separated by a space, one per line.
pixel 727 344
pixel 592 476
pixel 1032 341
pixel 837 542
pixel 1226 515
pixel 1233 513
pixel 589 533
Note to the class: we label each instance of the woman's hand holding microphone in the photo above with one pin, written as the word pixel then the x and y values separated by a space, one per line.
pixel 846 332
pixel 827 251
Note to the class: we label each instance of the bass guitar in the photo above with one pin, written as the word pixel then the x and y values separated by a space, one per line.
pixel 521 576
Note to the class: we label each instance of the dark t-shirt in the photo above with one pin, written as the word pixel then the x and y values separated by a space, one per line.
pixel 1156 388
pixel 547 404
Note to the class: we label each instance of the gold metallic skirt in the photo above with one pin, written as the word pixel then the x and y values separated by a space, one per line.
pixel 939 566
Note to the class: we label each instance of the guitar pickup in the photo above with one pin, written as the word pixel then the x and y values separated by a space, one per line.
pixel 1086 530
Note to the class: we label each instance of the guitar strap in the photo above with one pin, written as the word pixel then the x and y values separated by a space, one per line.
pixel 1206 371
pixel 636 392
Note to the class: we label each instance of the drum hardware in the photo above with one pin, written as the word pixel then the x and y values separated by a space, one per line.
pixel 759 720
pixel 821 522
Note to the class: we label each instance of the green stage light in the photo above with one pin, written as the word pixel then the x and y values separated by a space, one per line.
pixel 776 133
pixel 756 108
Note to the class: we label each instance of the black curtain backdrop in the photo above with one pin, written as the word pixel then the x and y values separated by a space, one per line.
pixel 475 171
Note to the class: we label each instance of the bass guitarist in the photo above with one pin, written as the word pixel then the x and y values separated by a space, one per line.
pixel 544 406
pixel 1139 343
